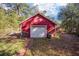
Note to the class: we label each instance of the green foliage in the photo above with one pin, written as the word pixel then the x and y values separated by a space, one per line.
pixel 12 17
pixel 70 18
pixel 7 21
pixel 11 48
pixel 2 18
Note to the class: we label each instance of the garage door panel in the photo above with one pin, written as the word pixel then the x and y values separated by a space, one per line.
pixel 38 31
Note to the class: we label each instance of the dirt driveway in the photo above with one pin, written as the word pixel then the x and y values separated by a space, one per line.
pixel 67 45
pixel 75 41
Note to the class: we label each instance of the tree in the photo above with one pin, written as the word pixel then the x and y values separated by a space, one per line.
pixel 13 13
pixel 70 19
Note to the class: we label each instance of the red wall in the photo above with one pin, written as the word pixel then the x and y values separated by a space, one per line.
pixel 37 20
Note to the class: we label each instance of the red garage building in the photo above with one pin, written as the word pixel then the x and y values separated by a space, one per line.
pixel 38 26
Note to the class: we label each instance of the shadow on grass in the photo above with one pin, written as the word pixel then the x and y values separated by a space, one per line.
pixel 10 44
pixel 44 47
pixel 10 37
pixel 49 48
pixel 53 47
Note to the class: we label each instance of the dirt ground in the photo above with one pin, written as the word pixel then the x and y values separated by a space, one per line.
pixel 68 45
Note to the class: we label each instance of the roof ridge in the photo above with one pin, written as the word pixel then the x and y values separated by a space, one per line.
pixel 39 13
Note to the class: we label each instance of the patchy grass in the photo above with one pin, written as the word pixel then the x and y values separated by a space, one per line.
pixel 10 45
pixel 46 47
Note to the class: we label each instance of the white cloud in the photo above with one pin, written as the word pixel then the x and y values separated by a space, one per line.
pixel 51 8
pixel 46 6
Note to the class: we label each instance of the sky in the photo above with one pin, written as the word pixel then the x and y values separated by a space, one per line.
pixel 52 8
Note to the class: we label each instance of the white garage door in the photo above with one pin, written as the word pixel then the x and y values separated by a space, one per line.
pixel 38 31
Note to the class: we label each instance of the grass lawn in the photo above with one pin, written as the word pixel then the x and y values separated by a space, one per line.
pixel 10 47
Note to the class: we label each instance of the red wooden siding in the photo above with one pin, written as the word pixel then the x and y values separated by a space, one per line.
pixel 38 19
